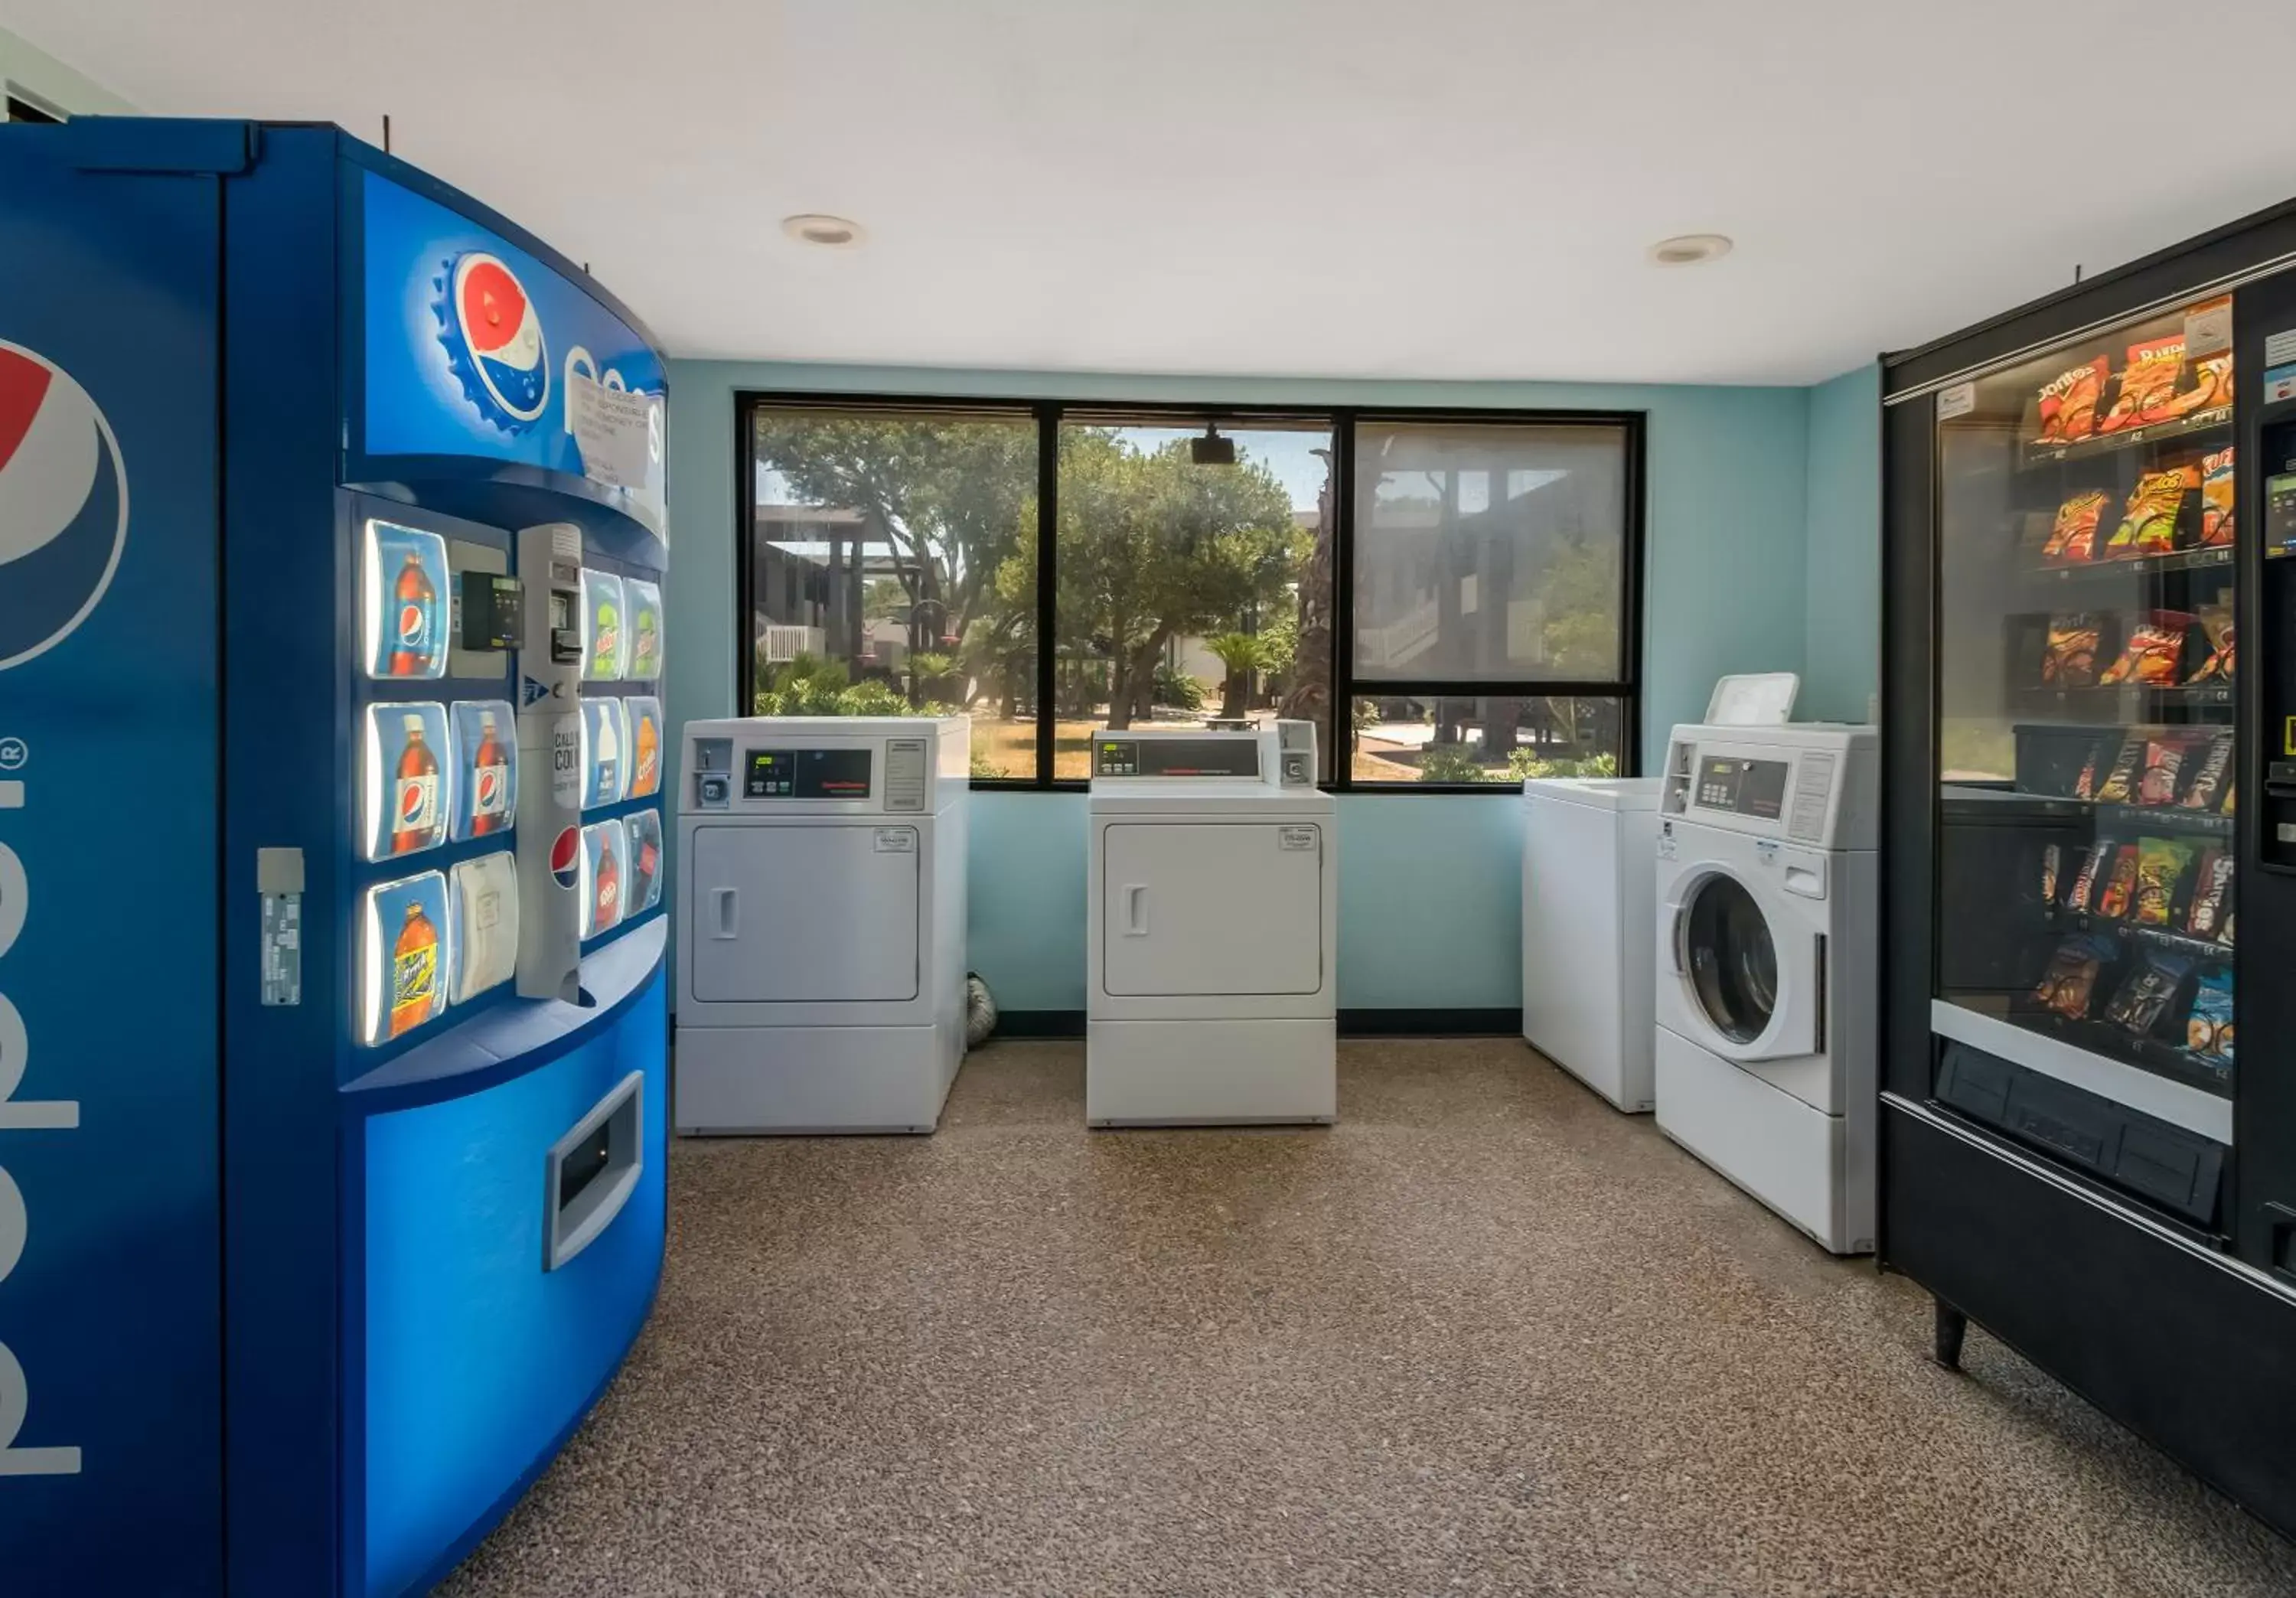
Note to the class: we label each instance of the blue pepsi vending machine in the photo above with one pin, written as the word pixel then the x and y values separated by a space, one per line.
pixel 331 1000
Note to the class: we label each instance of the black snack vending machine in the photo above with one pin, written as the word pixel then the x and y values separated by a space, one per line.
pixel 2088 1128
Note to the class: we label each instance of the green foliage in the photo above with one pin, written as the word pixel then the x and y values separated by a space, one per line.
pixel 1524 764
pixel 1177 689
pixel 1238 651
pixel 927 664
pixel 983 766
pixel 1279 640
pixel 809 687
pixel 1451 763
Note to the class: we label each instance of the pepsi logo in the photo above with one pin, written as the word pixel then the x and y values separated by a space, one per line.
pixel 490 787
pixel 412 627
pixel 63 504
pixel 414 803
pixel 566 858
pixel 494 340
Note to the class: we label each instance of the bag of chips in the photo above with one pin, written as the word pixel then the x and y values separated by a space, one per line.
pixel 2211 387
pixel 2072 536
pixel 2051 857
pixel 2160 864
pixel 2147 382
pixel 2082 897
pixel 2069 403
pixel 2208 774
pixel 2120 784
pixel 2164 760
pixel 2147 992
pixel 2069 985
pixel 2217 498
pixel 2096 767
pixel 2148 522
pixel 2119 887
pixel 2154 655
pixel 2217 627
pixel 2208 1028
pixel 2211 912
pixel 2070 660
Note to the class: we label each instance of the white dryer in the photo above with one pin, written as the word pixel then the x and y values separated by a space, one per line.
pixel 821 958
pixel 1768 905
pixel 1213 931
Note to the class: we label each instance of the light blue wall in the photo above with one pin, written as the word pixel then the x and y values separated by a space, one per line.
pixel 1430 903
pixel 1843 651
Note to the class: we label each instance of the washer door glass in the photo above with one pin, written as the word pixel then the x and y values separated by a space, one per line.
pixel 1732 964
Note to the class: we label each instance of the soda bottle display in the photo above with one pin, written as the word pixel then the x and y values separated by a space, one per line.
pixel 602 718
pixel 606 886
pixel 414 972
pixel 646 757
pixel 605 637
pixel 489 779
pixel 414 624
pixel 414 796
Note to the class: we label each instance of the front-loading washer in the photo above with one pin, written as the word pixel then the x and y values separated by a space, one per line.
pixel 1767 889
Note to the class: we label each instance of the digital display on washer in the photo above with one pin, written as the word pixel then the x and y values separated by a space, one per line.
pixel 1176 756
pixel 841 774
pixel 1745 787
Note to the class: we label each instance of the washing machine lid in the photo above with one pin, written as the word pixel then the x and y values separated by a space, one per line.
pixel 1203 796
pixel 1749 972
pixel 1601 793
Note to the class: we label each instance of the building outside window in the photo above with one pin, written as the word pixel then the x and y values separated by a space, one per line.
pixel 1461 609
pixel 1492 634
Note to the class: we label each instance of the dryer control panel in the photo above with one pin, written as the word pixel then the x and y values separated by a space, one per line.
pixel 780 766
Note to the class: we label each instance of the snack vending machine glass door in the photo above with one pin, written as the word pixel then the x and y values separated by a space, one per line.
pixel 2087 751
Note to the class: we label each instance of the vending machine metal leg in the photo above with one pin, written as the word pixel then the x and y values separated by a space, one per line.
pixel 1951 1324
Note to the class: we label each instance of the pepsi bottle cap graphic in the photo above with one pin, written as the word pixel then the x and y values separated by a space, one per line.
pixel 63 504
pixel 494 340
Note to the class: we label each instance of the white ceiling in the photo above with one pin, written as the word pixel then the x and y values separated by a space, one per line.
pixel 1431 189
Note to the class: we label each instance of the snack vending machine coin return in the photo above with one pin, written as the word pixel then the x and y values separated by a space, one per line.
pixel 332 513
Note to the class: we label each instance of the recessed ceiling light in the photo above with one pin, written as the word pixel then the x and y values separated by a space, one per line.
pixel 1689 249
pixel 832 233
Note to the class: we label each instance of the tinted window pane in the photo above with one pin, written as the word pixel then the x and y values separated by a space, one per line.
pixel 893 571
pixel 1489 553
pixel 1191 586
pixel 1410 736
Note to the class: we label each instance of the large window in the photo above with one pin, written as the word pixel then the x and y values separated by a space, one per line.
pixel 1492 627
pixel 1451 600
pixel 1182 551
pixel 892 569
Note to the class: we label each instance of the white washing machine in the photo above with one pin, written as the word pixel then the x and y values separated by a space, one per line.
pixel 821 957
pixel 1768 903
pixel 1213 931
pixel 1589 850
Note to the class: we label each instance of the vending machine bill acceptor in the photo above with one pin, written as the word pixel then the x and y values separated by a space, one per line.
pixel 333 1017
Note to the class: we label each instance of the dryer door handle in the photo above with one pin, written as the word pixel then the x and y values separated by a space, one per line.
pixel 1135 909
pixel 728 903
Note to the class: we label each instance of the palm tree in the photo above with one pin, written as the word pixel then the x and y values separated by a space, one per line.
pixel 1242 653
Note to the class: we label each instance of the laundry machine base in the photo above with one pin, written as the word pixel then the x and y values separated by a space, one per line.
pixel 1211 1073
pixel 801 1079
pixel 1802 1163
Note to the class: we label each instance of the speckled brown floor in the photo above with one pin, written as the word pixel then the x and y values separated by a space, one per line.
pixel 1485 1336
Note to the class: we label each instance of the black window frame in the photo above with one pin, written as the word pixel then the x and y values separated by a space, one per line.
pixel 1050 413
pixel 1347 688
